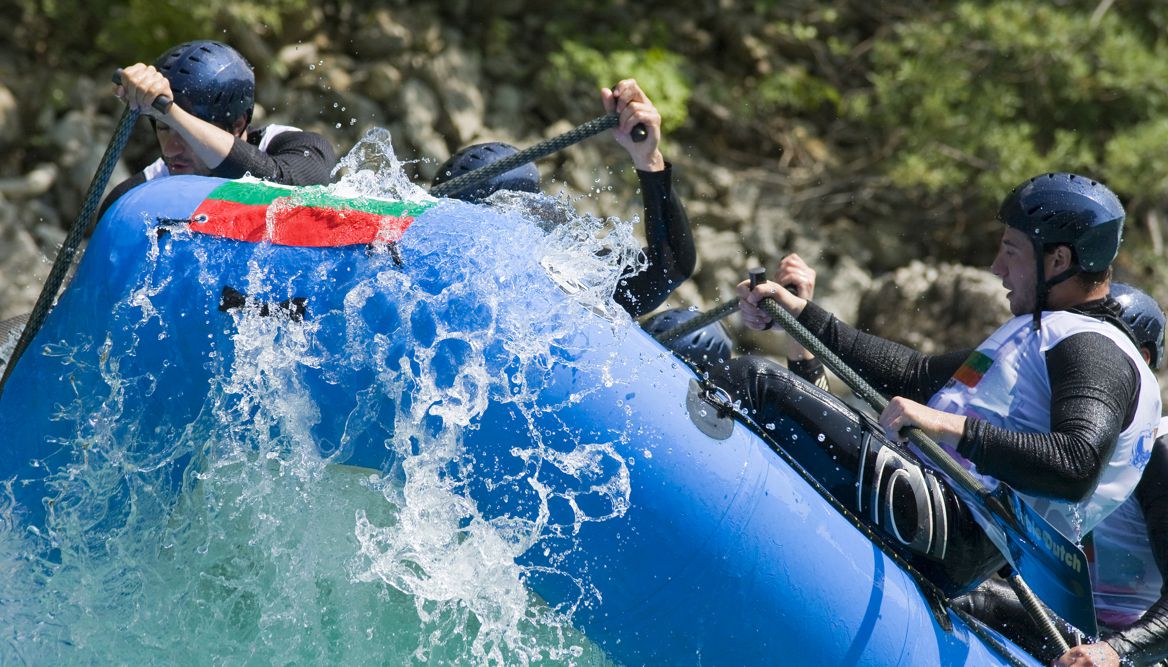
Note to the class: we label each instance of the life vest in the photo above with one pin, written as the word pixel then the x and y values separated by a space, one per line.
pixel 158 168
pixel 1005 382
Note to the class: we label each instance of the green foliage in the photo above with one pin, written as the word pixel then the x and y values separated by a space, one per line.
pixel 83 34
pixel 140 30
pixel 795 89
pixel 906 116
pixel 1135 156
pixel 660 73
pixel 991 93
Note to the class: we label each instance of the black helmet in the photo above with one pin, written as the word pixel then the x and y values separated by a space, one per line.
pixel 708 345
pixel 210 80
pixel 1056 209
pixel 524 178
pixel 1065 208
pixel 1143 315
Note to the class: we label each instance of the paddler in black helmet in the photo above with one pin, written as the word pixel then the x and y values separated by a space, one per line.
pixel 207 130
pixel 1057 403
pixel 669 248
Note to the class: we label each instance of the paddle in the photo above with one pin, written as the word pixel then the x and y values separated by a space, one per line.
pixel 1053 565
pixel 542 149
pixel 68 252
pixel 710 316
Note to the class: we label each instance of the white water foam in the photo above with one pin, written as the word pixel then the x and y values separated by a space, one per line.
pixel 271 551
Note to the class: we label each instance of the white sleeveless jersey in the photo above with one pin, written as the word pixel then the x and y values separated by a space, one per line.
pixel 157 169
pixel 1005 382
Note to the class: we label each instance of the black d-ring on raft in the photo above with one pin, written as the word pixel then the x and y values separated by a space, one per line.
pixel 295 309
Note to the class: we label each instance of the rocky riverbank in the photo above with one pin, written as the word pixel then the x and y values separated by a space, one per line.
pixel 438 84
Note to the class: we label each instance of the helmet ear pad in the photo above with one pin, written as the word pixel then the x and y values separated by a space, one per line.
pixel 524 178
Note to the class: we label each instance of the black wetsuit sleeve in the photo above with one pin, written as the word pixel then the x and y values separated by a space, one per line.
pixel 1146 640
pixel 292 158
pixel 1094 389
pixel 810 370
pixel 1152 495
pixel 669 246
pixel 893 369
pixel 116 193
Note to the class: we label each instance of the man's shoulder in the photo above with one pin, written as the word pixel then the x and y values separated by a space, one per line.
pixel 266 133
pixel 273 139
pixel 1062 324
pixel 1057 330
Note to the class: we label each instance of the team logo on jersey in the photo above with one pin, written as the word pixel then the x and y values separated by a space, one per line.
pixel 1143 449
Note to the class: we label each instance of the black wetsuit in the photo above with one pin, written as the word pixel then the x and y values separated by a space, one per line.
pixel 1094 387
pixel 880 481
pixel 292 157
pixel 669 249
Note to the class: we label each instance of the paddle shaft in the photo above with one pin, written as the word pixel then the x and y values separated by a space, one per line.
pixel 68 251
pixel 544 148
pixel 706 318
pixel 1030 602
pixel 927 445
pixel 709 317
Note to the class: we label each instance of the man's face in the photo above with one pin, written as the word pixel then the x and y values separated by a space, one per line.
pixel 1014 264
pixel 177 155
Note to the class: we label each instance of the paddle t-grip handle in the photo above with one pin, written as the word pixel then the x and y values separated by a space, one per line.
pixel 639 132
pixel 161 103
pixel 757 276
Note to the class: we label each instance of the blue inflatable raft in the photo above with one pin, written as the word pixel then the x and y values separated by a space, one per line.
pixel 393 334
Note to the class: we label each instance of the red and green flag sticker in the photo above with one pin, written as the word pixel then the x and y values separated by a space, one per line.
pixel 255 211
pixel 973 369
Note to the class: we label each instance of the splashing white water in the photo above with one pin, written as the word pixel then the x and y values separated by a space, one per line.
pixel 272 551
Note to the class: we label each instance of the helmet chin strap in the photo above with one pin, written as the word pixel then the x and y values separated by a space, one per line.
pixel 1044 284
